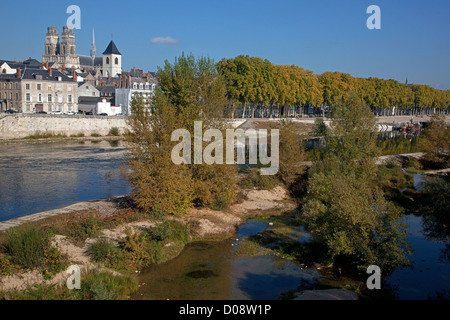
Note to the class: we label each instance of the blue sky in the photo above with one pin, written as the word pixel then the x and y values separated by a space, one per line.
pixel 319 35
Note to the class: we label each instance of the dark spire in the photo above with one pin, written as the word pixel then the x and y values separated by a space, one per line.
pixel 112 49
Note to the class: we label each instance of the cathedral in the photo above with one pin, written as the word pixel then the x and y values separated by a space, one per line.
pixel 61 53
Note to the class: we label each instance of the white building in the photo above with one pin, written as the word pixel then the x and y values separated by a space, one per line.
pixel 105 107
pixel 138 86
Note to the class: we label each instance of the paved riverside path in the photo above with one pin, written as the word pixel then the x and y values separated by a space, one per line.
pixel 104 206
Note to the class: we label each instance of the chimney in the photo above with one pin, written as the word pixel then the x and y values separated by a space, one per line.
pixel 19 73
pixel 46 65
pixel 50 72
pixel 74 75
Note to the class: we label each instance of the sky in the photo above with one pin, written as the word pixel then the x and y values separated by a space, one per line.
pixel 320 35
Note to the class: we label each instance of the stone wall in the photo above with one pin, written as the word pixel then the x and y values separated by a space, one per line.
pixel 23 125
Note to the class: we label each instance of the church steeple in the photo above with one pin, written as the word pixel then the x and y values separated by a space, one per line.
pixel 93 48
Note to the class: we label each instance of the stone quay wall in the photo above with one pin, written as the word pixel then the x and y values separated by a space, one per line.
pixel 19 126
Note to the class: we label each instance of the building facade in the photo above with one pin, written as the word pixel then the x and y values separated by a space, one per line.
pixel 33 90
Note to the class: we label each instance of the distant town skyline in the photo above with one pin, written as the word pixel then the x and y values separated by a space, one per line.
pixel 413 42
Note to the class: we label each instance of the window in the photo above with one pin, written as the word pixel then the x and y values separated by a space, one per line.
pixel 28 107
pixel 60 98
pixel 38 86
pixel 17 86
pixel 69 98
pixel 93 93
pixel 28 97
pixel 49 98
pixel 107 60
pixel 27 86
pixel 117 61
pixel 17 96
pixel 39 97
pixel 49 88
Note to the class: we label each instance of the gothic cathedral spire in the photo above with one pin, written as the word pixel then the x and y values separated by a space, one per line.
pixel 93 48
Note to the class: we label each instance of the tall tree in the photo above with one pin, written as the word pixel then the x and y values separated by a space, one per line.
pixel 344 208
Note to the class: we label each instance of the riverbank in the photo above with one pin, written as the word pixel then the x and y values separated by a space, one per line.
pixel 203 224
pixel 62 138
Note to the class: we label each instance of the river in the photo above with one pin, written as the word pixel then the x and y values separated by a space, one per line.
pixel 44 176
pixel 39 177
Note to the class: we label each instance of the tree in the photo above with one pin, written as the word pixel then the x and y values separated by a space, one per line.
pixel 190 90
pixel 344 207
pixel 292 153
pixel 435 143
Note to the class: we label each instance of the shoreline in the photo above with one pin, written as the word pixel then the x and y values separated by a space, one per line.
pixel 210 225
pixel 61 139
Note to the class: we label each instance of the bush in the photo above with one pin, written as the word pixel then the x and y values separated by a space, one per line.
pixel 139 249
pixel 53 263
pixel 6 266
pixel 114 131
pixel 86 228
pixel 27 246
pixel 100 250
pixel 169 230
pixel 95 135
pixel 254 179
pixel 95 286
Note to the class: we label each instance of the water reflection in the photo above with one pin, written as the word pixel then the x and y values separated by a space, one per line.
pixel 211 271
pixel 39 177
pixel 430 273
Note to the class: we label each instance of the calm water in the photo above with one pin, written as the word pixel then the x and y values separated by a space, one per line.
pixel 39 177
pixel 212 271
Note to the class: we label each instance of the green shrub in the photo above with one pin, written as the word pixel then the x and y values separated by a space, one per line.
pixel 6 266
pixel 139 249
pixel 100 250
pixel 254 179
pixel 169 230
pixel 114 131
pixel 78 135
pixel 27 246
pixel 95 134
pixel 84 229
pixel 53 263
pixel 95 286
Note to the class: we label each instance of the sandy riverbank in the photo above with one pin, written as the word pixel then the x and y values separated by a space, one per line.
pixel 208 223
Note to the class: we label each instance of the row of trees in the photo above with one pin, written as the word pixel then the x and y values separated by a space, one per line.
pixel 282 90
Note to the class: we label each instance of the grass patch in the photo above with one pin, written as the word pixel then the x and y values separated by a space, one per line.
pixel 29 248
pixel 45 135
pixel 95 285
pixel 95 135
pixel 114 131
pixel 78 135
pixel 141 248
pixel 26 246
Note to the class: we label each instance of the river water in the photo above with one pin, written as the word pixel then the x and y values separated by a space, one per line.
pixel 45 176
pixel 39 177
